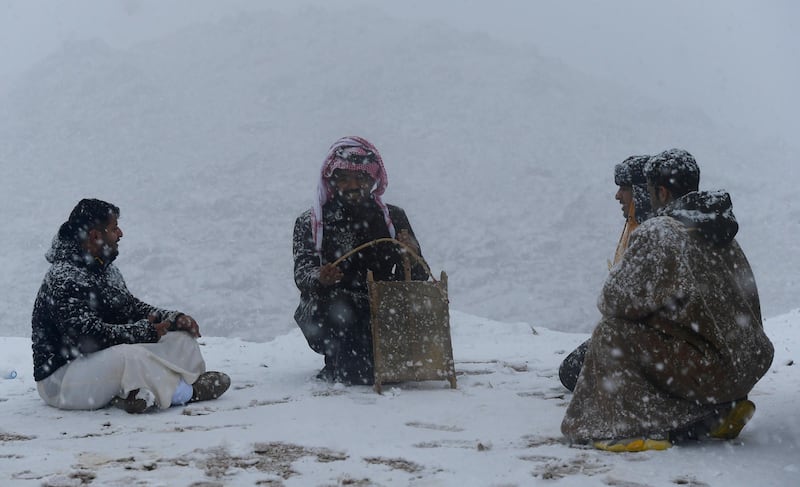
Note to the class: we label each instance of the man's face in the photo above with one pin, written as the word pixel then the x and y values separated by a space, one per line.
pixel 107 239
pixel 625 196
pixel 659 195
pixel 352 187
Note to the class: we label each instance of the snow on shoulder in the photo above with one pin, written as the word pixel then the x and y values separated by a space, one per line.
pixel 279 426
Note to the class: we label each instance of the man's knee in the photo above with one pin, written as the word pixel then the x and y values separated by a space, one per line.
pixel 571 367
pixel 341 314
pixel 179 338
pixel 316 335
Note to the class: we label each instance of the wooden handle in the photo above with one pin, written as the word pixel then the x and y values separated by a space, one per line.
pixel 408 249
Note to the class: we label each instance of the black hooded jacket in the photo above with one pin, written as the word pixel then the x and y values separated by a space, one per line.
pixel 346 227
pixel 709 213
pixel 84 306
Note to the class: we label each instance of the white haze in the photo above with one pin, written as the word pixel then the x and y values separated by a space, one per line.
pixel 736 59
pixel 500 128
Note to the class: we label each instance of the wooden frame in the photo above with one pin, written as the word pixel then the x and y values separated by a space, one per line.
pixel 410 331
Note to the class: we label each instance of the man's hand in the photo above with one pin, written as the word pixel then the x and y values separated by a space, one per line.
pixel 329 275
pixel 406 238
pixel 186 323
pixel 161 328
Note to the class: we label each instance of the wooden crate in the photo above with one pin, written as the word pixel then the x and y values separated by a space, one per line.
pixel 411 331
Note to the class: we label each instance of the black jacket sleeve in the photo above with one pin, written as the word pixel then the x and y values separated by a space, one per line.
pixel 75 317
pixel 306 258
pixel 400 221
pixel 130 308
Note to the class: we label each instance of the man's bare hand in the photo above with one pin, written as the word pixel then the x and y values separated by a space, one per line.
pixel 188 324
pixel 405 237
pixel 161 328
pixel 329 275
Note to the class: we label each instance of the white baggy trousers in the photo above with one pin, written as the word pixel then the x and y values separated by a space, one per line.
pixel 92 381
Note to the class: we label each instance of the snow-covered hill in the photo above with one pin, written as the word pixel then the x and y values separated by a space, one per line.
pixel 210 140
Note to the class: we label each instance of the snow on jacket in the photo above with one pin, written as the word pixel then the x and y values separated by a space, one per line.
pixel 684 279
pixel 688 277
pixel 83 306
pixel 345 228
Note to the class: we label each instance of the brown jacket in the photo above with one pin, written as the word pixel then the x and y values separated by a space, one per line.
pixel 681 328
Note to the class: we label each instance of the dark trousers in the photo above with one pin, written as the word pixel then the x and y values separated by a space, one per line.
pixel 343 335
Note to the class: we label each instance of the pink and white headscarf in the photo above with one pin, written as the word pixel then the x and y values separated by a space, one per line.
pixel 336 159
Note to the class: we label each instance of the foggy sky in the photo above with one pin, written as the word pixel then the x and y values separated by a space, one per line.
pixel 736 60
pixel 220 99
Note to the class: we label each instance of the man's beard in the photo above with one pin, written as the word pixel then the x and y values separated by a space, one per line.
pixel 110 253
pixel 353 197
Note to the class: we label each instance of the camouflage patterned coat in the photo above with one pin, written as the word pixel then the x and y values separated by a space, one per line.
pixel 681 330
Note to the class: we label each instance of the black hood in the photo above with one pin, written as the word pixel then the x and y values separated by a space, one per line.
pixel 710 213
pixel 63 249
pixel 68 250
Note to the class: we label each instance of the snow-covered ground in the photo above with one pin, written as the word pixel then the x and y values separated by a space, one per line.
pixel 279 426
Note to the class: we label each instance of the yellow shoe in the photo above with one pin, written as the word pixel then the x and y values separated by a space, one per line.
pixel 632 445
pixel 732 424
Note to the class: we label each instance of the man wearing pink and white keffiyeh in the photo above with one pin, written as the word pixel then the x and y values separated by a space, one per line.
pixel 348 211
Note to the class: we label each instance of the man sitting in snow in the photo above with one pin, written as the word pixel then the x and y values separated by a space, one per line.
pixel 94 343
pixel 681 342
pixel 635 202
pixel 348 211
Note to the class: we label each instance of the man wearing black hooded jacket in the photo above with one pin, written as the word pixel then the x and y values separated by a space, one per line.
pixel 95 343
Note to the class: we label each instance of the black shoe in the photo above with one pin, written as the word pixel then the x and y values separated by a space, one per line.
pixel 210 385
pixel 130 404
pixel 328 373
